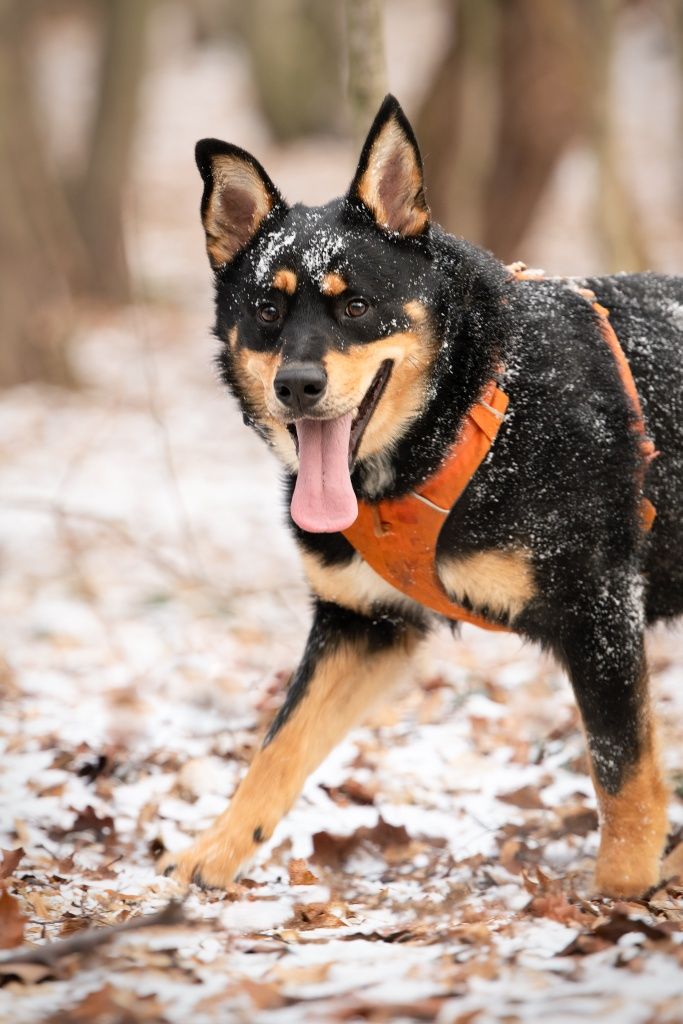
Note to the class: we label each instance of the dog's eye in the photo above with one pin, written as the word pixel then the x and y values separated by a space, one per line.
pixel 356 307
pixel 268 313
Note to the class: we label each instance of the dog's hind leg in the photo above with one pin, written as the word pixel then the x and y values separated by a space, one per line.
pixel 602 647
pixel 350 660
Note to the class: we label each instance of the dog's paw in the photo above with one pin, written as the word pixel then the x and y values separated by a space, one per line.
pixel 623 874
pixel 213 862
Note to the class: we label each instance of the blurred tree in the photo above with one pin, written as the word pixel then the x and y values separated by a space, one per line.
pixel 367 73
pixel 39 249
pixel 57 241
pixel 295 64
pixel 502 107
pixel 616 216
pixel 99 193
pixel 520 81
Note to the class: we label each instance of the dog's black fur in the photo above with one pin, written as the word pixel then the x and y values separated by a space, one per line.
pixel 561 481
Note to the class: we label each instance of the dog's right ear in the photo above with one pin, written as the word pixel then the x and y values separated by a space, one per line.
pixel 238 196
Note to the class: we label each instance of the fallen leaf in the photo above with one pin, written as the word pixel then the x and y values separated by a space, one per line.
pixel 333 850
pixel 620 924
pixel 263 995
pixel 580 821
pixel 304 974
pixel 317 915
pixel 40 908
pixel 527 797
pixel 10 860
pixel 556 906
pixel 87 820
pixel 351 791
pixel 300 873
pixel 12 921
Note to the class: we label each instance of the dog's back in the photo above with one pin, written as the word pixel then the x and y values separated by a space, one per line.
pixel 646 311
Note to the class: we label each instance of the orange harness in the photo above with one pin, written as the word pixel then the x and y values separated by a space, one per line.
pixel 398 537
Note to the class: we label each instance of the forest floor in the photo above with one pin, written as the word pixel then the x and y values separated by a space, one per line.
pixel 438 865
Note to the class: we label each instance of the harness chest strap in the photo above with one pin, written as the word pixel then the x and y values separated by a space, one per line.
pixel 398 538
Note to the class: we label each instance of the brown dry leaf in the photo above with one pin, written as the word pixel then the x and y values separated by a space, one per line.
pixel 476 934
pixel 607 932
pixel 300 873
pixel 351 791
pixel 308 916
pixel 263 995
pixel 579 820
pixel 584 944
pixel 619 924
pixel 305 974
pixel 508 856
pixel 40 907
pixel 12 921
pixel 333 850
pixel 109 1004
pixel 557 907
pixel 10 860
pixel 86 820
pixel 422 1009
pixel 72 924
pixel 527 797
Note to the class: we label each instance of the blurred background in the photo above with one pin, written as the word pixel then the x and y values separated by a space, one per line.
pixel 138 517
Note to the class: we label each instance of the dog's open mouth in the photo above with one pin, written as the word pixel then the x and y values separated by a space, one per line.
pixel 323 499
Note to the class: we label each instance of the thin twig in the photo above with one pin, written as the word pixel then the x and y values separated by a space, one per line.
pixel 84 942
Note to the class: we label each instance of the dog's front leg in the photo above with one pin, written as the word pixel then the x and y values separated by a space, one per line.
pixel 605 656
pixel 350 660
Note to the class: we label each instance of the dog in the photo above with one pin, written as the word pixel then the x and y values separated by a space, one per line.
pixel 360 339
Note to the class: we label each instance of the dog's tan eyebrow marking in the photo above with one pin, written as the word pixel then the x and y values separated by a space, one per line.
pixel 232 337
pixel 285 281
pixel 333 284
pixel 416 311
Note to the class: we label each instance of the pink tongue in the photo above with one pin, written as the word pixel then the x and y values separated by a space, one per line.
pixel 323 499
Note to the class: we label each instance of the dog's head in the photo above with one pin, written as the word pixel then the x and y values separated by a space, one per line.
pixel 322 311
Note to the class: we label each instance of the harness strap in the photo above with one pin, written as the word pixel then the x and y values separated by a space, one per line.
pixel 648 452
pixel 398 537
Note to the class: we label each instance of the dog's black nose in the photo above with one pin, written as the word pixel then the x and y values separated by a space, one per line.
pixel 300 385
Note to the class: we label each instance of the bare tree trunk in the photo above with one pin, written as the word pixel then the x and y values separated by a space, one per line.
pixel 39 249
pixel 457 122
pixel 99 198
pixel 295 63
pixel 616 216
pixel 366 62
pixel 540 113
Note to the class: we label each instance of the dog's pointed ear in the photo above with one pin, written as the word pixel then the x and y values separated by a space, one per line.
pixel 238 196
pixel 389 180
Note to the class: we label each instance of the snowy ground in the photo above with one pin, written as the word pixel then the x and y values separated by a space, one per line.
pixel 438 865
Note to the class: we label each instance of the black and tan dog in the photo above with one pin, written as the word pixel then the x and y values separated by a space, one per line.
pixel 358 337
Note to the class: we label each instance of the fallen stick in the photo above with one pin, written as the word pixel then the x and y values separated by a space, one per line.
pixel 83 942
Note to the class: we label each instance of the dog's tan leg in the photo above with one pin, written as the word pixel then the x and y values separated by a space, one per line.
pixel 633 824
pixel 350 661
pixel 605 656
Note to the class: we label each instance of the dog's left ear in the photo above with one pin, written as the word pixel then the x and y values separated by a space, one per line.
pixel 389 180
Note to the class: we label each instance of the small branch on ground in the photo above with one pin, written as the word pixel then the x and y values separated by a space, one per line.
pixel 83 942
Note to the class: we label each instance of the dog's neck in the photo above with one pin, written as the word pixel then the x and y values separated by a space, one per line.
pixel 472 324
